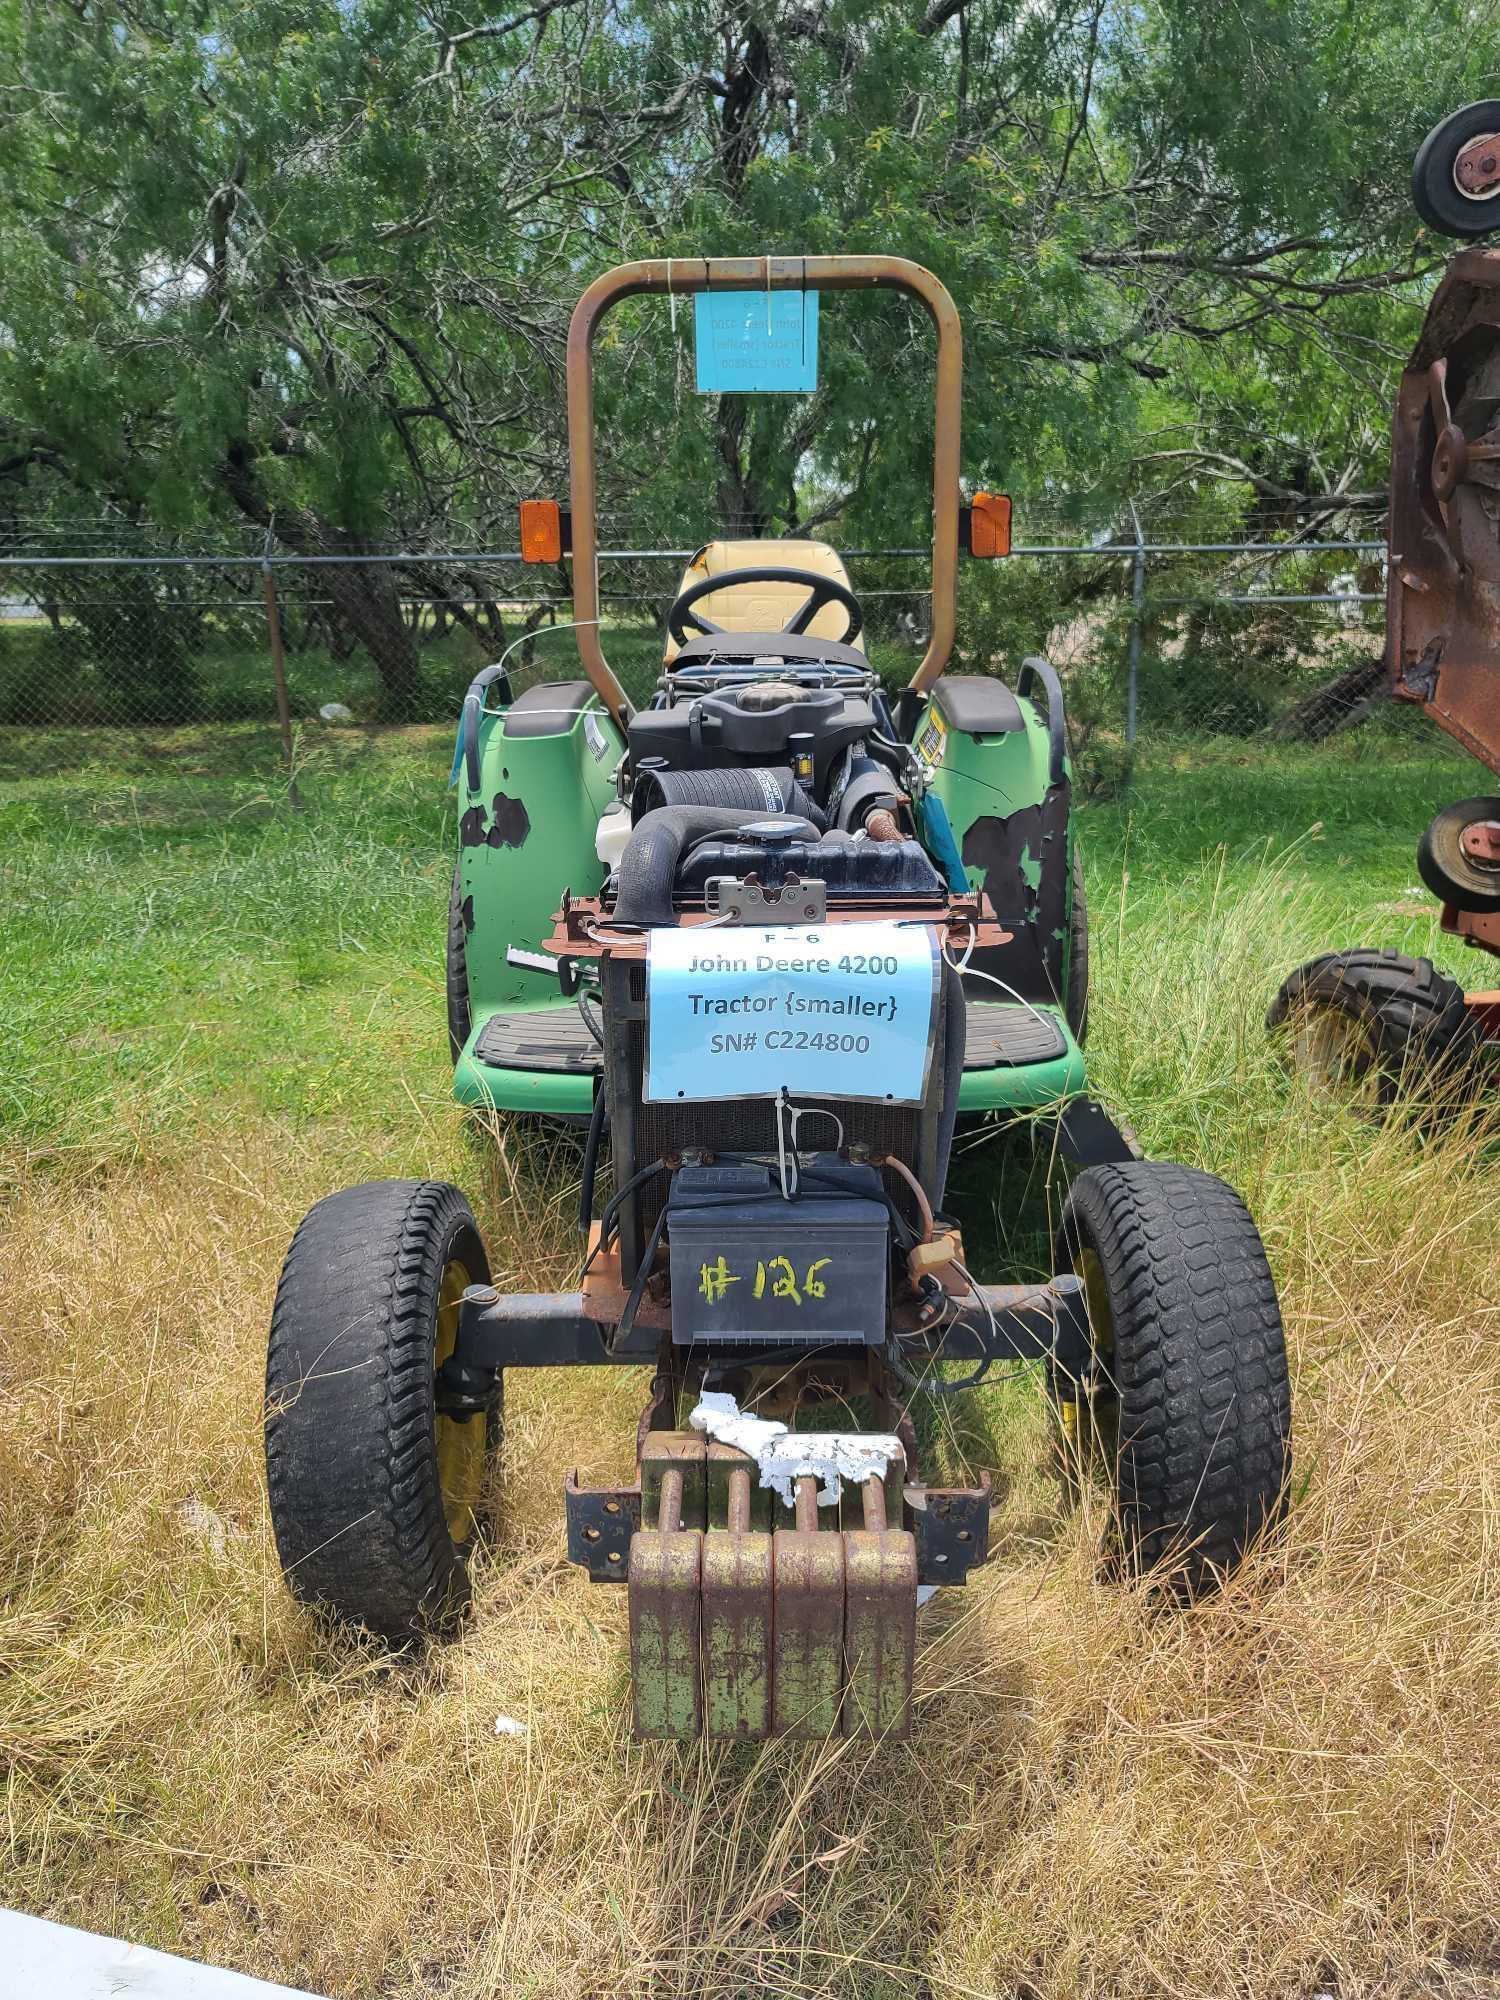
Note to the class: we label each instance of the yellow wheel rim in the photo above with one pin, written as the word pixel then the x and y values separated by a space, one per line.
pixel 460 1440
pixel 1332 1051
pixel 1089 1420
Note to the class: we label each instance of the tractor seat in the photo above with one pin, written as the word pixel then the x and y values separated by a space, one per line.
pixel 764 607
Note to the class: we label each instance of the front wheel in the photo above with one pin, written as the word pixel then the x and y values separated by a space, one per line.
pixel 1187 1403
pixel 376 1493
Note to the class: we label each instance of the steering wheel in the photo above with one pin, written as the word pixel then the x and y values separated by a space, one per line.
pixel 821 590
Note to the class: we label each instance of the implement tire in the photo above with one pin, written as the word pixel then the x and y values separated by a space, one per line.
pixel 1376 1021
pixel 1189 1351
pixel 376 1497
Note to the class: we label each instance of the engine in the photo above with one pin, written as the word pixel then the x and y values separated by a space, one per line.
pixel 768 801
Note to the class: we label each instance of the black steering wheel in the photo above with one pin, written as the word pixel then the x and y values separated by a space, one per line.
pixel 821 590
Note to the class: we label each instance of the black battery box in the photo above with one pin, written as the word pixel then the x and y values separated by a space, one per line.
pixel 750 1267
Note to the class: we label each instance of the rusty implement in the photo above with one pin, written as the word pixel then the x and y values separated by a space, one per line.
pixel 1443 582
pixel 747 1621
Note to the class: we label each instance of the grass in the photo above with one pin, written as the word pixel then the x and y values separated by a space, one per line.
pixel 217 1010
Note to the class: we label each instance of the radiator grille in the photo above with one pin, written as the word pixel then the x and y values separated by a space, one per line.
pixel 748 1125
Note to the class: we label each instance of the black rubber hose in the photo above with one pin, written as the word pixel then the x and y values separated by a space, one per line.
pixel 955 1024
pixel 648 867
pixel 761 791
pixel 591 1159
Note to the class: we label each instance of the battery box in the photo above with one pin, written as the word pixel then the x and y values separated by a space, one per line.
pixel 750 1267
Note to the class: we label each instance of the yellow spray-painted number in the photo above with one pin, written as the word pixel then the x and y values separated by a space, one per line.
pixel 715 1279
pixel 779 1272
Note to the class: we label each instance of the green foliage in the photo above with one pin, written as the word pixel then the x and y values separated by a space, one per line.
pixel 307 264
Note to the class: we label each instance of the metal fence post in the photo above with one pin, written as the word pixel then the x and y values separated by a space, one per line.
pixel 278 669
pixel 1137 605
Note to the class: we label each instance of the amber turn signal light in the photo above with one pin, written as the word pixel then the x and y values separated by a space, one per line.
pixel 989 526
pixel 541 531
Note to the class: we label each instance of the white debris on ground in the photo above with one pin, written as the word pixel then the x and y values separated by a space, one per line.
pixel 785 1456
pixel 335 712
pixel 507 1725
pixel 199 1521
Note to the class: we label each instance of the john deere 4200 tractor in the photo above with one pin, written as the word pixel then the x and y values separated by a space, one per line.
pixel 769 937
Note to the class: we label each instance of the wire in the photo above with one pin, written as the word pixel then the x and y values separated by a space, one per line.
pixel 638 1289
pixel 569 625
pixel 623 1194
pixel 963 964
pixel 586 1009
pixel 783 1104
pixel 967 971
pixel 598 1119
pixel 935 1385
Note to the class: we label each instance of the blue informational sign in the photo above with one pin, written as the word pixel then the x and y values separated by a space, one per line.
pixel 751 343
pixel 821 1010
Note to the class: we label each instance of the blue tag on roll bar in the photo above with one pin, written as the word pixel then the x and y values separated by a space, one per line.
pixel 756 343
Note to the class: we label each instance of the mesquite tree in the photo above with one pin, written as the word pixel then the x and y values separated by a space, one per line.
pixel 307 264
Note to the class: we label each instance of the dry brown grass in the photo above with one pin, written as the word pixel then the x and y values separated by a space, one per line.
pixel 1291 1790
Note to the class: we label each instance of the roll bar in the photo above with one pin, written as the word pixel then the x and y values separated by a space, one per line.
pixel 756 274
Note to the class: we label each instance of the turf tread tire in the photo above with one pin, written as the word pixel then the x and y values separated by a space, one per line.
pixel 351 1461
pixel 1416 1018
pixel 1199 1367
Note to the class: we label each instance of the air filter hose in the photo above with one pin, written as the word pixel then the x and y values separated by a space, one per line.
pixel 648 867
pixel 760 792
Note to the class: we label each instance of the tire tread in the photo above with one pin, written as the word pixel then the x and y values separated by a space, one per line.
pixel 351 1465
pixel 1199 1366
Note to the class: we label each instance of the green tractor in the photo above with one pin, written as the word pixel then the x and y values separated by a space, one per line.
pixel 768 939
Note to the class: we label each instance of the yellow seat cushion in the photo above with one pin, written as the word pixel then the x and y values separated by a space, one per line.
pixel 764 607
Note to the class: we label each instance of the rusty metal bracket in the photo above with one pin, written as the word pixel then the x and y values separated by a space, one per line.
pixel 951 1525
pixel 601 1522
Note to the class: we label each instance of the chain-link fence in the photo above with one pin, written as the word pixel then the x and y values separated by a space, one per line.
pixel 1157 640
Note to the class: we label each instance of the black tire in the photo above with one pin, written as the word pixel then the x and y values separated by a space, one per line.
pixel 1439 200
pixel 1192 1358
pixel 1077 1004
pixel 460 1020
pixel 1447 870
pixel 1376 1021
pixel 364 1524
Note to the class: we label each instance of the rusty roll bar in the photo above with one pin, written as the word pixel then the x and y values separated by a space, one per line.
pixel 755 274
